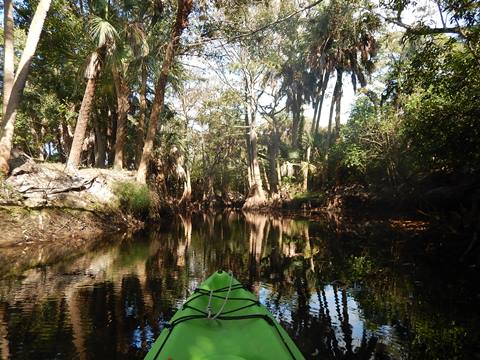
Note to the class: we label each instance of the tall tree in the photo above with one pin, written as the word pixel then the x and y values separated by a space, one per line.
pixel 344 31
pixel 8 53
pixel 128 66
pixel 105 35
pixel 10 110
pixel 184 7
pixel 122 91
pixel 143 112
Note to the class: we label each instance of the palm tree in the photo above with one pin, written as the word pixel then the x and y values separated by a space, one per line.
pixel 132 48
pixel 105 35
pixel 343 32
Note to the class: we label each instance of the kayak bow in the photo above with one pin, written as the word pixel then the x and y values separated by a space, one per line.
pixel 223 320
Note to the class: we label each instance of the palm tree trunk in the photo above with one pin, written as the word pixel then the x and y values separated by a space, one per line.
pixel 296 118
pixel 122 90
pixel 181 22
pixel 337 91
pixel 8 53
pixel 330 117
pixel 10 113
pixel 141 119
pixel 316 103
pixel 79 135
pixel 111 132
pixel 338 101
pixel 322 97
pixel 101 144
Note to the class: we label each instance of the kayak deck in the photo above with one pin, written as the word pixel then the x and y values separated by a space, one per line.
pixel 223 320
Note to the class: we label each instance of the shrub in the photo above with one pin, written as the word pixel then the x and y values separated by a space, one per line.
pixel 134 198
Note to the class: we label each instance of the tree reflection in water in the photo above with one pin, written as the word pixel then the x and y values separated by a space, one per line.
pixel 330 293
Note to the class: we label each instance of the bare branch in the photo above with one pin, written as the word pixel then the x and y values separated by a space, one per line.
pixel 259 29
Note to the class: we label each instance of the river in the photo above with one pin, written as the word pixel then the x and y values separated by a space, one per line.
pixel 366 290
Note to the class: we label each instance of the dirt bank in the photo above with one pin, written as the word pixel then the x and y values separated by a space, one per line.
pixel 35 237
pixel 47 214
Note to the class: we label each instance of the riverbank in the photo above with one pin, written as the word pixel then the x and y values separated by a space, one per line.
pixel 38 237
pixel 46 213
pixel 40 202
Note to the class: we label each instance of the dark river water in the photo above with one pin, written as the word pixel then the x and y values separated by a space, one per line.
pixel 358 291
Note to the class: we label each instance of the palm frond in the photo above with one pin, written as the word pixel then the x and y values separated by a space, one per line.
pixel 103 32
pixel 137 39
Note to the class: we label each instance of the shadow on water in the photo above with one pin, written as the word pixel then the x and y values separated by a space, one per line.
pixel 339 295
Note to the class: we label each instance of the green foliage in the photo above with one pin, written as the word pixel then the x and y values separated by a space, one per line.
pixel 425 122
pixel 134 198
pixel 102 31
pixel 371 146
pixel 442 110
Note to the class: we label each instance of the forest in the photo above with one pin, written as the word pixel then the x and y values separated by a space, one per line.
pixel 250 101
pixel 325 151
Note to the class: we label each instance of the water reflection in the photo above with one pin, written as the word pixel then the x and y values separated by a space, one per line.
pixel 338 297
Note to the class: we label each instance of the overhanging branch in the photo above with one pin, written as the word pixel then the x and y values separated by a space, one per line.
pixel 259 29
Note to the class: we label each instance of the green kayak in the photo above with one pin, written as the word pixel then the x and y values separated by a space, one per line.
pixel 223 320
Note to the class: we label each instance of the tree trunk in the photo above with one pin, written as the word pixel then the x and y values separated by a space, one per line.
pixel 338 101
pixel 330 118
pixel 10 113
pixel 38 132
pixel 88 149
pixel 296 121
pixel 275 148
pixel 256 195
pixel 316 104
pixel 322 97
pixel 254 162
pixel 111 131
pixel 249 170
pixel 122 90
pixel 181 22
pixel 141 118
pixel 335 99
pixel 279 173
pixel 305 169
pixel 250 178
pixel 265 178
pixel 101 144
pixel 8 53
pixel 187 189
pixel 66 139
pixel 79 135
